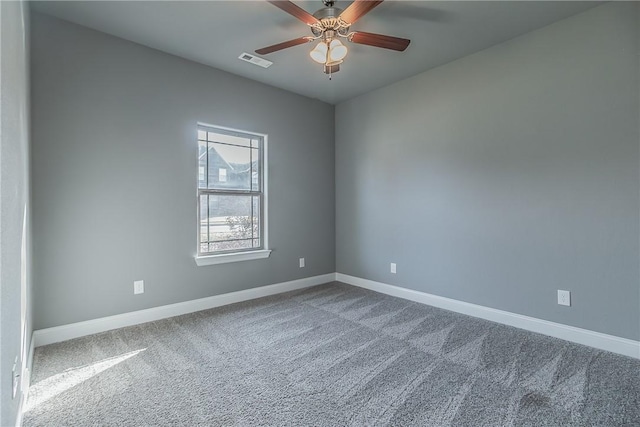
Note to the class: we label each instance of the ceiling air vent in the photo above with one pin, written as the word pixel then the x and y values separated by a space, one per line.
pixel 255 60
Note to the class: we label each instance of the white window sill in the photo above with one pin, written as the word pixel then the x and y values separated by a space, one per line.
pixel 224 258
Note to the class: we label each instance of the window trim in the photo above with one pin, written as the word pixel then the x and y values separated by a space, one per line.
pixel 226 257
pixel 231 257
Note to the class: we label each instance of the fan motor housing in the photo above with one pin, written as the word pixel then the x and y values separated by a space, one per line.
pixel 328 17
pixel 328 12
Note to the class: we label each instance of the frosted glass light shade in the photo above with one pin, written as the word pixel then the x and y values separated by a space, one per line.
pixel 319 54
pixel 337 51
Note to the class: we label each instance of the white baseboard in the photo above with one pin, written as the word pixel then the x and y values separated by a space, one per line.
pixel 598 340
pixel 80 329
pixel 25 382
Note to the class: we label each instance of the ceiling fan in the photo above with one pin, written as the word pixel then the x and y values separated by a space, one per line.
pixel 328 25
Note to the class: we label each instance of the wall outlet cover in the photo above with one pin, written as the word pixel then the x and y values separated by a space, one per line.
pixel 138 287
pixel 393 267
pixel 564 297
pixel 301 262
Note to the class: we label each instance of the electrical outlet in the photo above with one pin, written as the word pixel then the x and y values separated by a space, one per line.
pixel 393 267
pixel 138 287
pixel 564 297
pixel 301 262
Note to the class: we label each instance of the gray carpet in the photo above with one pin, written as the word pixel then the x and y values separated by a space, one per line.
pixel 331 355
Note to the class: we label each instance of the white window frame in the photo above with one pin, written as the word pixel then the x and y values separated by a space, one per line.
pixel 245 255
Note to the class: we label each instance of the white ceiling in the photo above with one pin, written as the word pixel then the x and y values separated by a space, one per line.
pixel 215 33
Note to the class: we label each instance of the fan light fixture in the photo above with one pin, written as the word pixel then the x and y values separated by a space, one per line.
pixel 329 23
pixel 319 54
pixel 337 51
pixel 328 55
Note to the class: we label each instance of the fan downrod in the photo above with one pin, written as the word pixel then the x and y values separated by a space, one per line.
pixel 328 3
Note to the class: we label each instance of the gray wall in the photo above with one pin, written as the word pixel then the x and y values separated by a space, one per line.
pixel 504 176
pixel 15 260
pixel 114 139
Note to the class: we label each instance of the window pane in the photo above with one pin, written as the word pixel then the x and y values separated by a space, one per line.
pixel 229 167
pixel 255 170
pixel 231 219
pixel 202 164
pixel 202 135
pixel 229 139
pixel 255 210
pixel 230 246
pixel 203 228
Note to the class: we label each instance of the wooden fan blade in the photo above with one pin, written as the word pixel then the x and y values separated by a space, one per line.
pixel 379 40
pixel 358 9
pixel 296 11
pixel 283 45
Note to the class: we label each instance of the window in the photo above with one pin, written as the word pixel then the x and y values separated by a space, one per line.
pixel 231 196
